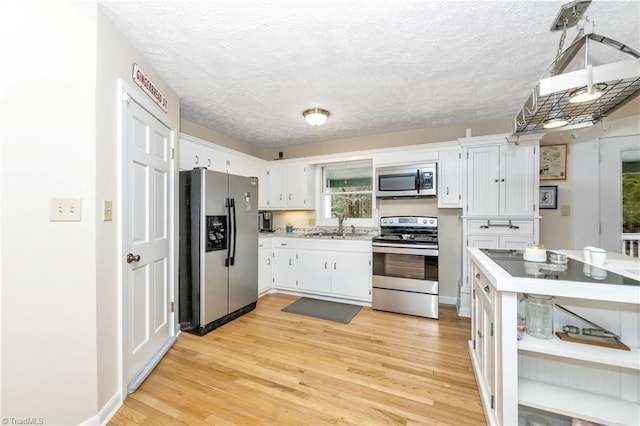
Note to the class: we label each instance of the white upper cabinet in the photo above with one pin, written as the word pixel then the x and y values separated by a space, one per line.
pixel 450 178
pixel 501 180
pixel 291 186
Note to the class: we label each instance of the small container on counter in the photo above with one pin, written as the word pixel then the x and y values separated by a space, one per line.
pixel 289 228
pixel 535 253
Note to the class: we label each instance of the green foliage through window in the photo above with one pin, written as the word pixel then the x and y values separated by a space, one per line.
pixel 348 189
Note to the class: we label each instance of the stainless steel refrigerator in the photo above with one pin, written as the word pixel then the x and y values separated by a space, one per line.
pixel 218 248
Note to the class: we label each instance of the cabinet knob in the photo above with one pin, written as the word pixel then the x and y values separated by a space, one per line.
pixel 197 159
pixel 447 190
pixel 334 266
pixel 289 196
pixel 496 181
pixel 502 180
pixel 479 334
pixel 290 260
pixel 325 265
pixel 478 276
pixel 268 261
pixel 487 289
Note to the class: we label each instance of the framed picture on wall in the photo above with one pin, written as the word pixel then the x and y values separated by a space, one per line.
pixel 548 197
pixel 553 162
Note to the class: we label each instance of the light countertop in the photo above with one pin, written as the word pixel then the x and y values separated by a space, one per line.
pixel 358 236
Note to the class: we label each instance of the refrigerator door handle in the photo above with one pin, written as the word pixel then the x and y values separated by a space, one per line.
pixel 228 260
pixel 235 229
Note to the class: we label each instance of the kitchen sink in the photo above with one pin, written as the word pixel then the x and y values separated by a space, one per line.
pixel 324 234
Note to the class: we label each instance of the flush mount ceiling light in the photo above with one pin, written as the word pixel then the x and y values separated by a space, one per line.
pixel 584 96
pixel 316 116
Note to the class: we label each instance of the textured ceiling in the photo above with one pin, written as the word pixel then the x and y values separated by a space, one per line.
pixel 249 68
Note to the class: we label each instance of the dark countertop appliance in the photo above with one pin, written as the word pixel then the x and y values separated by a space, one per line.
pixel 405 266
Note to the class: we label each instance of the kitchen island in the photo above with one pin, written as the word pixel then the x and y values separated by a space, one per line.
pixel 556 379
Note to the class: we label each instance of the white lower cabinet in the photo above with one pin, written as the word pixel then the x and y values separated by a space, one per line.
pixel 336 268
pixel 491 233
pixel 265 265
pixel 332 268
pixel 483 339
pixel 285 267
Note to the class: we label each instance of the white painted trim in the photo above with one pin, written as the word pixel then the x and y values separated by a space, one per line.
pixel 448 300
pixel 106 412
pixel 128 91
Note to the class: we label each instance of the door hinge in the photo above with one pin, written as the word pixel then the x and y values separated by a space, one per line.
pixel 172 307
pixel 172 153
pixel 493 402
pixel 491 329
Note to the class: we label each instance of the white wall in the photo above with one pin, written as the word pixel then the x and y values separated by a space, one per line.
pixel 48 268
pixel 115 61
pixel 60 318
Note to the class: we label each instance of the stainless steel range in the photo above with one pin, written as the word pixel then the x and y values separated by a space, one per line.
pixel 405 266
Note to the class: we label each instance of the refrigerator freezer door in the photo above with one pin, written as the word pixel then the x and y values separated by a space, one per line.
pixel 243 274
pixel 214 292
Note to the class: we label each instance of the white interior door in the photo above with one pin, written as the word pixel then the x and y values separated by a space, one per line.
pixel 147 244
pixel 611 150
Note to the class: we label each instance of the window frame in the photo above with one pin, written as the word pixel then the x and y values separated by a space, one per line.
pixel 320 199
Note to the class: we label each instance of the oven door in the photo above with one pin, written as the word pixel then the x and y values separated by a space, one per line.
pixel 405 279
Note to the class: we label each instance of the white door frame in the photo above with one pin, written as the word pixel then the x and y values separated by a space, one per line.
pixel 610 191
pixel 128 92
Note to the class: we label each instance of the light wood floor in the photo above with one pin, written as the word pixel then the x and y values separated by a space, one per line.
pixel 274 368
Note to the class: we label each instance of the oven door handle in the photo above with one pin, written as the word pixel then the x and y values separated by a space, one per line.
pixel 403 249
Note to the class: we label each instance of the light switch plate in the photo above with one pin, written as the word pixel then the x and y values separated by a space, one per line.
pixel 107 210
pixel 65 210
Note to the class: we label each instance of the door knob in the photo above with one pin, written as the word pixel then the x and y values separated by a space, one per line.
pixel 133 258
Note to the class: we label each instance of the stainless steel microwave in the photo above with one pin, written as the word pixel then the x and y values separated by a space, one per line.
pixel 406 181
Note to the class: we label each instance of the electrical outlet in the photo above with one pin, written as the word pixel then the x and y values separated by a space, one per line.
pixel 65 210
pixel 565 210
pixel 107 210
pixel 311 222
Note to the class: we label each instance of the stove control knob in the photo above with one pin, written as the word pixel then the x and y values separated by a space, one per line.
pixel 384 220
pixel 424 221
pixel 431 221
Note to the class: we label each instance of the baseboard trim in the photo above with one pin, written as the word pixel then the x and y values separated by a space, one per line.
pixel 106 412
pixel 447 300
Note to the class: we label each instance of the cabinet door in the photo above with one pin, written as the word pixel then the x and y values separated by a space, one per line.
pixel 314 273
pixel 351 275
pixel 265 255
pixel 518 180
pixel 277 186
pixel 298 186
pixel 191 155
pixel 449 179
pixel 263 187
pixel 284 268
pixel 488 348
pixel 483 241
pixel 483 181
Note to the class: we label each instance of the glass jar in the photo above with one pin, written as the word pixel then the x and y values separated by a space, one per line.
pixel 539 315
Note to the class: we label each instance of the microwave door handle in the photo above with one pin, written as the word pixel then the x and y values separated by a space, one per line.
pixel 418 181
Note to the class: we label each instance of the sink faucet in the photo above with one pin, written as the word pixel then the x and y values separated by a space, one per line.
pixel 353 229
pixel 341 219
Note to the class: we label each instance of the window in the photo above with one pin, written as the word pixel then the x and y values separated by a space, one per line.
pixel 347 190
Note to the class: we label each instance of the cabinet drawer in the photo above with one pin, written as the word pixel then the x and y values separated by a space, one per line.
pixel 334 245
pixel 285 243
pixel 500 226
pixel 482 287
